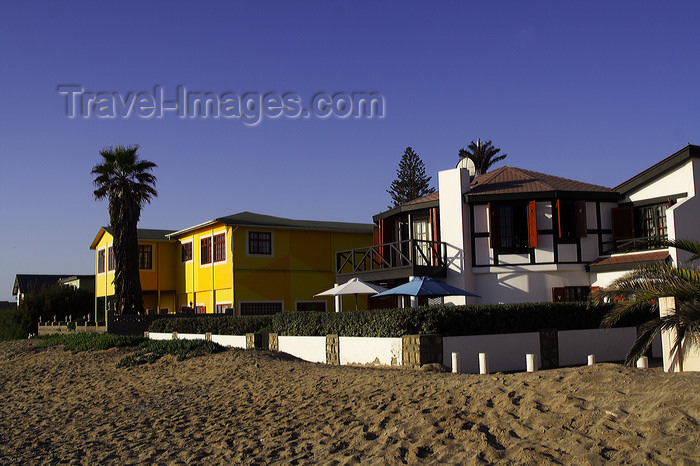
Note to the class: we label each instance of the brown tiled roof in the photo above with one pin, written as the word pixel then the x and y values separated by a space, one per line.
pixel 427 198
pixel 629 259
pixel 512 180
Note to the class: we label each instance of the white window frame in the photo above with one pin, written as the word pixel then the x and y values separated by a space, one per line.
pixel 228 304
pixel 211 242
pixel 272 243
pixel 97 260
pixel 153 257
pixel 182 243
pixel 301 301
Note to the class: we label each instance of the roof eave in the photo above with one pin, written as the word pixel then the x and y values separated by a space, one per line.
pixel 405 208
pixel 669 163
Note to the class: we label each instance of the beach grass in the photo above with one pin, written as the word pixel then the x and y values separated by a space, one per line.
pixel 77 342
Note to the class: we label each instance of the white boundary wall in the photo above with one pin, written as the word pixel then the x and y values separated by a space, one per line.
pixel 311 349
pixel 191 336
pixel 506 351
pixel 608 344
pixel 233 341
pixel 160 336
pixel 362 350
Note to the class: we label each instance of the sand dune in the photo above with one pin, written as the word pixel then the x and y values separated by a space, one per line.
pixel 260 407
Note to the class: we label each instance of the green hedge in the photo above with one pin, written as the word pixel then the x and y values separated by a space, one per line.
pixel 443 320
pixel 224 325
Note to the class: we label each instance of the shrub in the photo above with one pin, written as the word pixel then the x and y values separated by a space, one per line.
pixel 58 300
pixel 224 325
pixel 151 350
pixel 75 342
pixel 444 320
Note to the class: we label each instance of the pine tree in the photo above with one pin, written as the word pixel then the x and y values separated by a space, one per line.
pixel 411 182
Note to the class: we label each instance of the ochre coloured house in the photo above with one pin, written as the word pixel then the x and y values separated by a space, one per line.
pixel 253 264
pixel 158 256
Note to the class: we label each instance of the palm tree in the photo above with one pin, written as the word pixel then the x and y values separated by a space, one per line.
pixel 484 155
pixel 127 183
pixel 640 291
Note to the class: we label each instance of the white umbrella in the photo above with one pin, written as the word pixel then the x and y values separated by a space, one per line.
pixel 354 286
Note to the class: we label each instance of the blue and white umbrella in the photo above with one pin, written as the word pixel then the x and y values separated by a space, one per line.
pixel 426 286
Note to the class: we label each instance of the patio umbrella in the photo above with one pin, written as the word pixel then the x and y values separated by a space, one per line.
pixel 354 286
pixel 426 286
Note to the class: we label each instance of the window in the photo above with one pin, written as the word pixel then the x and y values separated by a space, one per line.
pixel 110 259
pixel 571 220
pixel 313 306
pixel 511 227
pixel 221 308
pixel 220 247
pixel 260 242
pixel 205 251
pixel 571 293
pixel 261 309
pixel 186 254
pixel 200 309
pixel 101 261
pixel 145 256
pixel 651 221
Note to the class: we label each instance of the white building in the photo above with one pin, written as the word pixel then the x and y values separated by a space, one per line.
pixel 514 235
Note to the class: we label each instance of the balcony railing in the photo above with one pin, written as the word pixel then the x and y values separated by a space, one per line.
pixel 645 243
pixel 414 254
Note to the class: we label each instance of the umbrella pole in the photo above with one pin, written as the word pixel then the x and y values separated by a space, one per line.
pixel 355 301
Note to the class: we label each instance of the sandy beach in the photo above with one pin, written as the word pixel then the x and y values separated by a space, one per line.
pixel 261 407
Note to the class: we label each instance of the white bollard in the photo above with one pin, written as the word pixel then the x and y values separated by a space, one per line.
pixel 455 363
pixel 591 359
pixel 643 363
pixel 483 363
pixel 531 360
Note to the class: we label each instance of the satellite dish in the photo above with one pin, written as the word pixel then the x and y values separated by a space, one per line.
pixel 467 163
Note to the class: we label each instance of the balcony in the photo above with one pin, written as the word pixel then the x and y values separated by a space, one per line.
pixel 646 243
pixel 391 261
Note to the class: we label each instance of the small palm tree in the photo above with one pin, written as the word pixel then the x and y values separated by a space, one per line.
pixel 128 184
pixel 484 155
pixel 645 286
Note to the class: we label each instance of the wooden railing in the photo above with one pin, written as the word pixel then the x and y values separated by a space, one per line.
pixel 408 253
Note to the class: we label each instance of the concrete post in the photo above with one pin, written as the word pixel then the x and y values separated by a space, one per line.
pixel 483 363
pixel 591 359
pixel 643 363
pixel 455 363
pixel 531 360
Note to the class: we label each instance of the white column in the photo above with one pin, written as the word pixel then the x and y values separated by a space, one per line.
pixel 455 230
pixel 591 359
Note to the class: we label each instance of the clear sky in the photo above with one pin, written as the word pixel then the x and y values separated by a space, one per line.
pixel 594 91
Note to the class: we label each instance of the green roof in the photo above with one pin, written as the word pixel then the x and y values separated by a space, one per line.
pixel 147 233
pixel 259 220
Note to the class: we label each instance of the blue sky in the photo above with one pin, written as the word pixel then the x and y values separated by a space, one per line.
pixel 595 91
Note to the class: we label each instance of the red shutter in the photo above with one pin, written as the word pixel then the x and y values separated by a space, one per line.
pixel 622 224
pixel 493 225
pixel 435 224
pixel 435 235
pixel 557 207
pixel 532 224
pixel 580 220
pixel 558 294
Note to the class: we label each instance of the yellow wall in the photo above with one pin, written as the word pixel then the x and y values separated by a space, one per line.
pixel 160 278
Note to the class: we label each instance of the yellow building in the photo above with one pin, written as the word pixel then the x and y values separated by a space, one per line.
pixel 158 256
pixel 255 264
